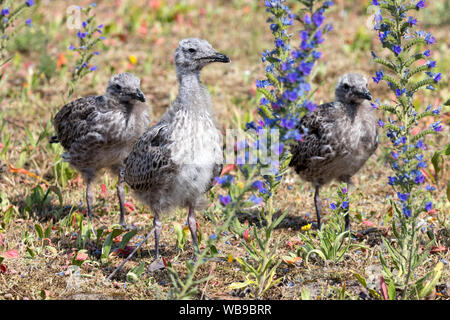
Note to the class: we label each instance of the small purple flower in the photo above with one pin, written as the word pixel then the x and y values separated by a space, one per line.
pixel 431 64
pixel 428 206
pixel 71 48
pixel 29 22
pixel 412 21
pixel 81 35
pixel 378 76
pixel 255 199
pixel 420 4
pixel 429 39
pixel 406 211
pixel 392 180
pixel 394 155
pixel 5 12
pixel 430 188
pixel 400 92
pixel 344 205
pixel 397 49
pixel 344 190
pixel 381 123
pixel 419 179
pixel 279 43
pixel 427 53
pixel 403 196
pixel 225 200
pixel 375 2
pixel 318 18
pixel 306 67
pixel 310 106
pixel 437 77
pixel 307 19
pixel 287 123
pixel 437 126
pixel 29 3
pixel 333 206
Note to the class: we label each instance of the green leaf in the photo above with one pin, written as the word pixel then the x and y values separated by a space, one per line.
pixel 305 294
pixel 126 238
pixel 392 294
pixel 426 290
pixel 387 63
pixel 39 231
pixel 135 274
pixel 106 248
pixel 360 279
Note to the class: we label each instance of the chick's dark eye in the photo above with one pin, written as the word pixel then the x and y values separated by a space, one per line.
pixel 118 86
pixel 346 86
pixel 191 50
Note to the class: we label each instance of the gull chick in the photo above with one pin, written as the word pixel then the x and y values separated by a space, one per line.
pixel 98 132
pixel 338 137
pixel 175 162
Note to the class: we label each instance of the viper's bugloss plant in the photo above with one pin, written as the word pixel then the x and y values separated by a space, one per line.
pixel 11 22
pixel 407 70
pixel 332 241
pixel 285 97
pixel 88 38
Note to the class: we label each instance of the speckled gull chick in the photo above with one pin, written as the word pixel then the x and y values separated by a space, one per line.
pixel 175 162
pixel 338 138
pixel 98 132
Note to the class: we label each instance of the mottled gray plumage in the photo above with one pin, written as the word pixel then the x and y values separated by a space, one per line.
pixel 174 163
pixel 98 132
pixel 338 138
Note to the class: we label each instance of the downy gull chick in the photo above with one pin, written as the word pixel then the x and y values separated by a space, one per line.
pixel 175 162
pixel 98 132
pixel 338 138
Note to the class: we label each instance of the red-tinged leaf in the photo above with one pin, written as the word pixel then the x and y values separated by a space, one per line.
pixel 123 252
pixel 49 241
pixel 227 169
pixel 28 173
pixel 432 212
pixel 438 249
pixel 384 290
pixel 368 223
pixel 3 268
pixel 291 260
pixel 245 236
pixel 117 239
pixel 104 191
pixel 166 262
pixel 129 206
pixel 290 244
pixel 415 131
pixel 81 256
pixel 10 254
pixel 62 61
pixel 154 4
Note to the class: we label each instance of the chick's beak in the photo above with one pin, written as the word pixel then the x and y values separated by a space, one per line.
pixel 139 96
pixel 219 57
pixel 365 94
